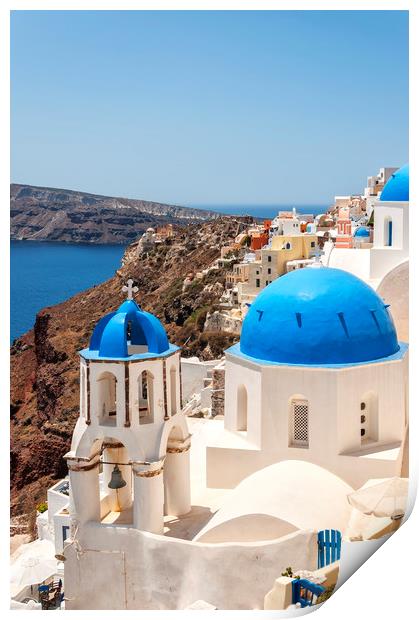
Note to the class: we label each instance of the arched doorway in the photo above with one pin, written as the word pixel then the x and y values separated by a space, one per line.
pixel 176 474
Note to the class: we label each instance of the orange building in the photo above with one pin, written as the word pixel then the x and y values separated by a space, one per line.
pixel 344 237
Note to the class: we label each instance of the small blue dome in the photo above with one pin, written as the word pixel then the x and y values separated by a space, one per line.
pixel 397 187
pixel 318 316
pixel 362 231
pixel 110 336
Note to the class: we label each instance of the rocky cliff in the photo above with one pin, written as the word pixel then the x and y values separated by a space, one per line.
pixel 48 214
pixel 45 364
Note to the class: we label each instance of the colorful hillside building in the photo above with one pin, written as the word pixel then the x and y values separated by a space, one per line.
pixel 344 226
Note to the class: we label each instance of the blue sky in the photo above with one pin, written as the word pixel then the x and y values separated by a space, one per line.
pixel 209 107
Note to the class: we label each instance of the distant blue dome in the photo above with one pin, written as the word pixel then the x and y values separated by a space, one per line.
pixel 110 336
pixel 318 316
pixel 397 187
pixel 362 231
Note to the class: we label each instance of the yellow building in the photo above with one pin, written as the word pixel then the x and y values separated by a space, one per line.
pixel 274 260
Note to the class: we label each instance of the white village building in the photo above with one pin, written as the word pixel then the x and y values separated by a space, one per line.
pixel 390 245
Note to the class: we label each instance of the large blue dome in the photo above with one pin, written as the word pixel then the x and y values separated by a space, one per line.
pixel 129 325
pixel 318 316
pixel 397 187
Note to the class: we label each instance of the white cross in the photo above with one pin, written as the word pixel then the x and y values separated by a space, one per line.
pixel 129 289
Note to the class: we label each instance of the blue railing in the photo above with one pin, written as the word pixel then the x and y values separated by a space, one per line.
pixel 305 592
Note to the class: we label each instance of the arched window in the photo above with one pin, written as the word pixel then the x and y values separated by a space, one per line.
pixel 241 408
pixel 106 399
pixel 368 412
pixel 388 232
pixel 299 422
pixel 145 397
pixel 173 395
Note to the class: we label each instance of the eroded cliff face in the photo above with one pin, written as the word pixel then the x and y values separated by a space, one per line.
pixel 45 362
pixel 48 214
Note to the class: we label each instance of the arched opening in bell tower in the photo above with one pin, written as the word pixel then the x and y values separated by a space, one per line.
pixel 106 398
pixel 146 397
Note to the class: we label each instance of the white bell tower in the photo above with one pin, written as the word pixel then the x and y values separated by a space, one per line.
pixel 129 458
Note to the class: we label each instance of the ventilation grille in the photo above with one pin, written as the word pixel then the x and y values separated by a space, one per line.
pixel 300 435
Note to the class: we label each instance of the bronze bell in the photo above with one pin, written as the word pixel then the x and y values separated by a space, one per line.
pixel 116 481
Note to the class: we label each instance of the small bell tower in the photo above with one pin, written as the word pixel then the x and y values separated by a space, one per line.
pixel 129 459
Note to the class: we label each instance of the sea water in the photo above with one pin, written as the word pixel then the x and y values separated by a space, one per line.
pixel 43 274
pixel 265 211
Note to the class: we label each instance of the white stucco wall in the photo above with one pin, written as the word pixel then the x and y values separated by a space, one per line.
pixel 193 374
pixel 123 568
pixel 356 261
pixel 334 397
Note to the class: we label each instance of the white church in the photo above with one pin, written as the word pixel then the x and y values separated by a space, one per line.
pixel 315 406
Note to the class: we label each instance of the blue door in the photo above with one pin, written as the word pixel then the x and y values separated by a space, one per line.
pixel 329 543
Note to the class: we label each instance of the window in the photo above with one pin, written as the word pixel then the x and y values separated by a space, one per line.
pixel 299 423
pixel 266 283
pixel 257 283
pixel 241 408
pixel 288 245
pixel 388 232
pixel 369 418
pixel 313 244
pixel 269 270
pixel 269 258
